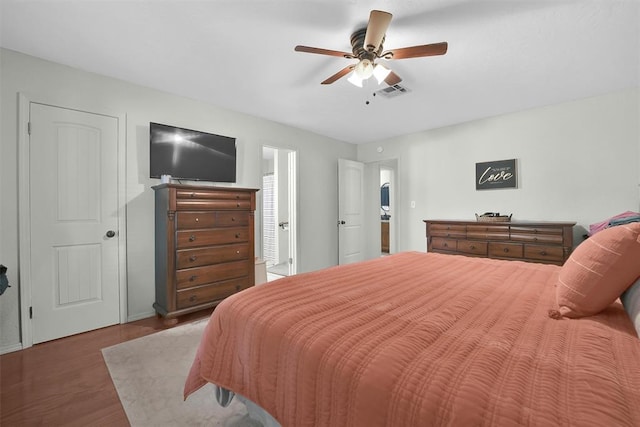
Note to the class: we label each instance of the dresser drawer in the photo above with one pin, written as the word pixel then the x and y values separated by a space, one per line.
pixel 208 293
pixel 545 253
pixel 491 232
pixel 443 244
pixel 191 220
pixel 230 219
pixel 446 230
pixel 535 230
pixel 209 219
pixel 471 247
pixel 210 237
pixel 204 204
pixel 505 250
pixel 187 258
pixel 211 194
pixel 537 238
pixel 191 277
pixel 211 200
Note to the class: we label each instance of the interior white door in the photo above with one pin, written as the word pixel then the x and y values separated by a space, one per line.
pixel 292 200
pixel 351 242
pixel 282 167
pixel 73 165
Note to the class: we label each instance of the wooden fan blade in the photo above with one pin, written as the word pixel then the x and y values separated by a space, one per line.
pixel 319 51
pixel 417 51
pixel 376 29
pixel 339 74
pixel 392 79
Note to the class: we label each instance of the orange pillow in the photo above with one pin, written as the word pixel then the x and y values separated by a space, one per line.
pixel 599 271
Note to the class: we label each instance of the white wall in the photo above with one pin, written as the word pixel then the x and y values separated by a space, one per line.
pixel 72 88
pixel 577 161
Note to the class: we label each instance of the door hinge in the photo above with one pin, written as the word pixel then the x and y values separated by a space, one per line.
pixel 28 128
pixel 290 260
pixel 30 312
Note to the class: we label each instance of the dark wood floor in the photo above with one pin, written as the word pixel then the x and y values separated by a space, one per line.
pixel 66 382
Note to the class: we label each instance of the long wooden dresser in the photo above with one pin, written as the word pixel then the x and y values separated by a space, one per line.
pixel 544 242
pixel 204 246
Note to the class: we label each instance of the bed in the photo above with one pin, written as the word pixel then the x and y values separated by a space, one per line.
pixel 420 339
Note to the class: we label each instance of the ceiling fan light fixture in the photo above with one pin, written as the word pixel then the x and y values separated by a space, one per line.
pixel 354 79
pixel 364 69
pixel 380 72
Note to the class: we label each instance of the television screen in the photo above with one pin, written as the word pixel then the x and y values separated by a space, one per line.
pixel 191 155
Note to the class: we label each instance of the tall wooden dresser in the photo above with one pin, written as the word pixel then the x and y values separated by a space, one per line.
pixel 204 246
pixel 544 242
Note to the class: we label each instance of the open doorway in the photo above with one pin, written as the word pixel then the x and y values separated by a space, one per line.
pixel 381 211
pixel 387 211
pixel 279 182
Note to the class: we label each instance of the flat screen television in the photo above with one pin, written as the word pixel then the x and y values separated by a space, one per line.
pixel 191 155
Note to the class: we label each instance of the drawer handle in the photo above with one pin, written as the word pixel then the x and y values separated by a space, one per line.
pixel 543 253
pixel 238 252
pixel 233 219
pixel 237 287
pixel 448 235
pixel 237 235
pixel 192 258
pixel 535 239
pixel 197 219
pixel 472 246
pixel 192 195
pixel 192 238
pixel 506 250
pixel 192 298
pixel 237 205
pixel 445 245
pixel 192 278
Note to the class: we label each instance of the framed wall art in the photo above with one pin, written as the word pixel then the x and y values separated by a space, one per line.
pixel 496 174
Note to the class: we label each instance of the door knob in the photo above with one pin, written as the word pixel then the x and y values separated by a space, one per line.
pixel 341 222
pixel 111 233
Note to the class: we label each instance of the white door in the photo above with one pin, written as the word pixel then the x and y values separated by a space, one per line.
pixel 350 211
pixel 282 167
pixel 292 171
pixel 73 165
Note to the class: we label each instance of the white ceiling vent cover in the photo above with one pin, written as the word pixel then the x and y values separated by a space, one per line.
pixel 392 91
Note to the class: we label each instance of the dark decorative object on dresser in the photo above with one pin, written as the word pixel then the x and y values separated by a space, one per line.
pixel 540 241
pixel 204 246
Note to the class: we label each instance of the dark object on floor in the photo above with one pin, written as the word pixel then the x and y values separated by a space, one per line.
pixel 4 282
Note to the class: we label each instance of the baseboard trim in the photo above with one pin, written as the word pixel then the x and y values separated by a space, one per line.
pixel 10 348
pixel 140 316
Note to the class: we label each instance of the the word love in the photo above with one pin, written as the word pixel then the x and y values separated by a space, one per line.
pixel 489 176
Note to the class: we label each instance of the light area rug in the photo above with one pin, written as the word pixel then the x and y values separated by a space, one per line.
pixel 149 374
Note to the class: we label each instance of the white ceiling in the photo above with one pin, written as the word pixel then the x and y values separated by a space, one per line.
pixel 503 56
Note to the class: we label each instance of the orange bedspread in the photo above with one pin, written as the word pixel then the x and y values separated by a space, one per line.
pixel 418 339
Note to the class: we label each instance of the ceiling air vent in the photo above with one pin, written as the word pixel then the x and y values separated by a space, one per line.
pixel 392 91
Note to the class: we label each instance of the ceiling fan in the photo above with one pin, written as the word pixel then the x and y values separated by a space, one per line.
pixel 367 47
